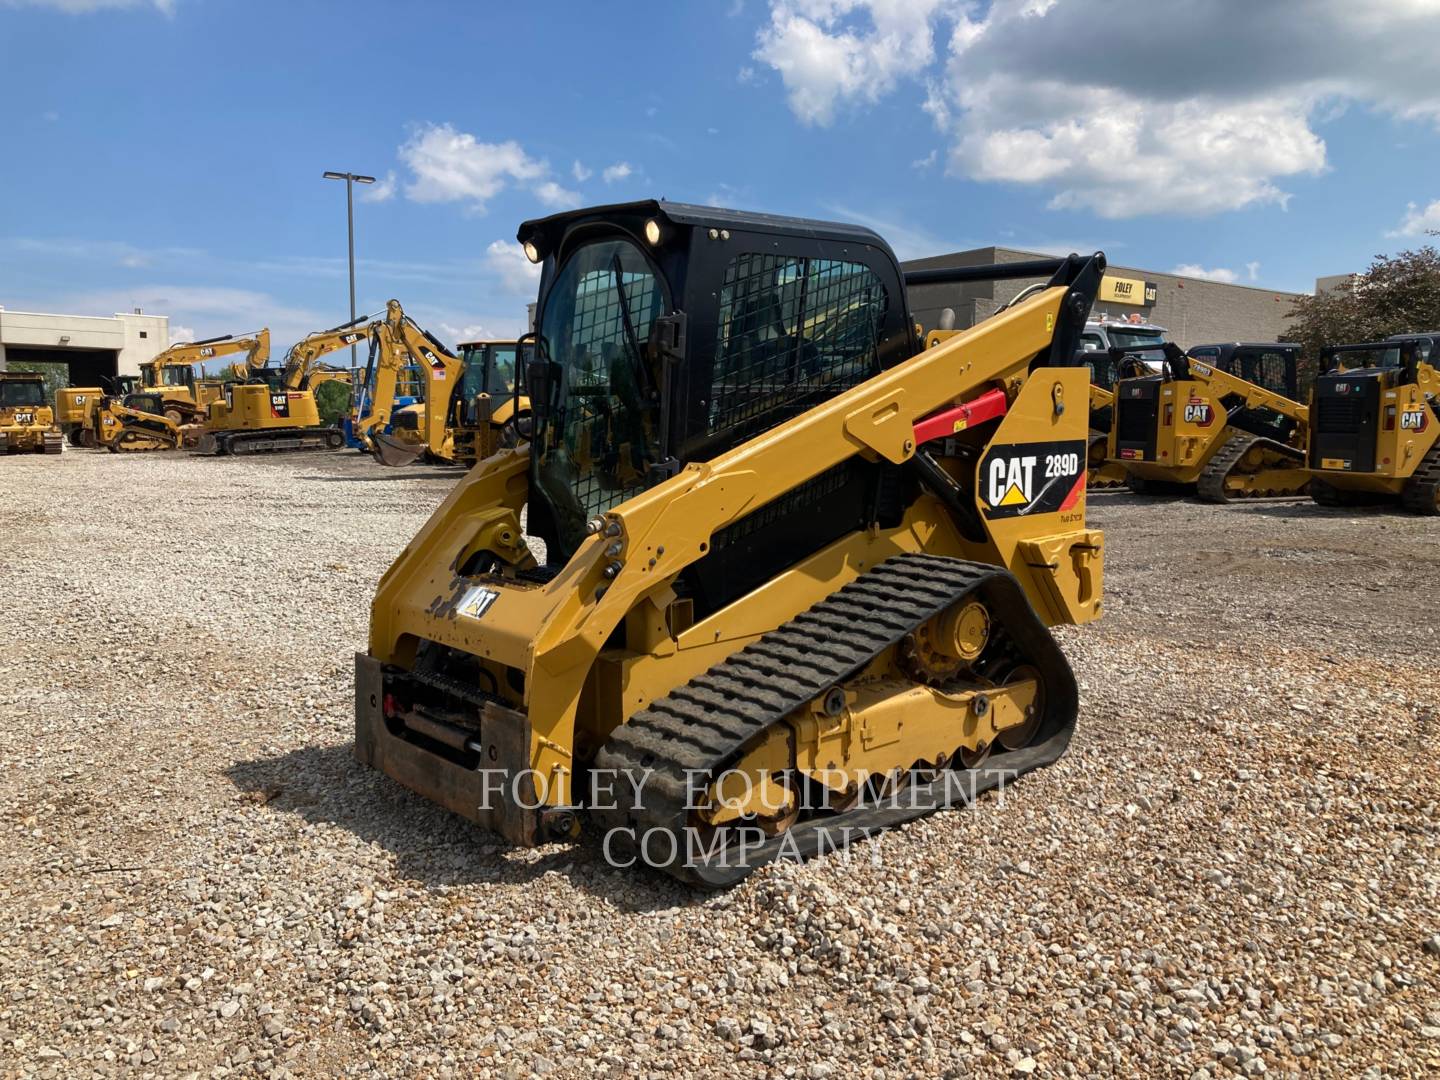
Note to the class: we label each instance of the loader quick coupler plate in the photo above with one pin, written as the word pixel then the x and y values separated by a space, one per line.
pixel 480 771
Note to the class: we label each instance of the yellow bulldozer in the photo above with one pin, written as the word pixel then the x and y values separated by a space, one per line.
pixel 1376 434
pixel 798 567
pixel 27 423
pixel 1221 421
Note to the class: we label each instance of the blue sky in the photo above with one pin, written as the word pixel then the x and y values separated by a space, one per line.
pixel 168 154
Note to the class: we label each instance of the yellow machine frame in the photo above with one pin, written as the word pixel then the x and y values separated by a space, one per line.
pixel 623 574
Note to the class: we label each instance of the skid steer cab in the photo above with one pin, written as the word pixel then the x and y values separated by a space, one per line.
pixel 27 423
pixel 1377 424
pixel 798 568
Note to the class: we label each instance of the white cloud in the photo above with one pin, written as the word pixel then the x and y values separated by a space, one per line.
pixel 200 311
pixel 552 194
pixel 619 171
pixel 1252 271
pixel 180 333
pixel 1219 273
pixel 581 172
pixel 745 76
pixel 1417 221
pixel 453 166
pixel 85 7
pixel 1022 100
pixel 827 55
pixel 506 259
pixel 383 190
pixel 927 161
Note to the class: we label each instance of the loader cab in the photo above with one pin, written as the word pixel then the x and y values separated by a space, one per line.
pixel 21 390
pixel 174 376
pixel 1272 365
pixel 1367 400
pixel 667 334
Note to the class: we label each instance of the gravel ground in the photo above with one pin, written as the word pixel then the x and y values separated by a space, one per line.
pixel 1234 870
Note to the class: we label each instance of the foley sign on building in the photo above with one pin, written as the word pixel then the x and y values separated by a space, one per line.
pixel 1132 291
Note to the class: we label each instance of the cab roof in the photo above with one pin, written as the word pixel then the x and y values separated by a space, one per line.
pixel 547 231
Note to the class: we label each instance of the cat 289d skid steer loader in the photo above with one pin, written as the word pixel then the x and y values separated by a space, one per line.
pixel 798 568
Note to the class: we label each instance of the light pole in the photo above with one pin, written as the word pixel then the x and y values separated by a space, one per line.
pixel 351 179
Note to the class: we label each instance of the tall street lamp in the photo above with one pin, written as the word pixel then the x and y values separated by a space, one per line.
pixel 351 179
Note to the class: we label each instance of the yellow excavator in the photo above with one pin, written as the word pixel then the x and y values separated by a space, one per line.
pixel 1198 424
pixel 171 374
pixel 1376 434
pixel 798 567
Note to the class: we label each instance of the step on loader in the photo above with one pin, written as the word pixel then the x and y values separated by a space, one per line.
pixel 1376 432
pixel 798 568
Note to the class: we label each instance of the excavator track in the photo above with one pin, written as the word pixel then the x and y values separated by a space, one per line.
pixel 1421 493
pixel 270 441
pixel 1212 483
pixel 700 728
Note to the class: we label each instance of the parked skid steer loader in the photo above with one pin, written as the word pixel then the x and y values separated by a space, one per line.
pixel 798 568
pixel 1377 425
pixel 1199 425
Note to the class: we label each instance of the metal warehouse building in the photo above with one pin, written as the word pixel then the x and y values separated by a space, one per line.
pixel 1194 310
pixel 92 348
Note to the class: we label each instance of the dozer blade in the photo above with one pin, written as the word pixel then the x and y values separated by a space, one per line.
pixel 388 450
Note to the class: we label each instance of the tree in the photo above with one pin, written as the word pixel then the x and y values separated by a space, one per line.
pixel 1398 294
pixel 332 400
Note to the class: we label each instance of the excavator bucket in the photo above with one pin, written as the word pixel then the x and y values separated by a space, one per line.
pixel 388 450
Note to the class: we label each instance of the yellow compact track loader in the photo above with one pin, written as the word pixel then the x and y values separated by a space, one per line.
pixel 1376 431
pixel 140 421
pixel 1100 472
pixel 27 424
pixel 1221 420
pixel 798 567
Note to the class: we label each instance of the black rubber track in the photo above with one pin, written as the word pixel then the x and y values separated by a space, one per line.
pixel 672 748
pixel 1421 493
pixel 1210 484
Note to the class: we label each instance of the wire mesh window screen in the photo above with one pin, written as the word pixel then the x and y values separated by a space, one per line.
pixel 596 323
pixel 791 330
pixel 1267 369
pixel 608 426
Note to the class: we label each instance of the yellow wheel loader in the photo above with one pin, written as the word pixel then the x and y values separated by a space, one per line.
pixel 27 423
pixel 1376 434
pixel 798 568
pixel 1221 421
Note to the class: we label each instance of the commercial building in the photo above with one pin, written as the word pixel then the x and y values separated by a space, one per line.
pixel 92 348
pixel 1196 311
